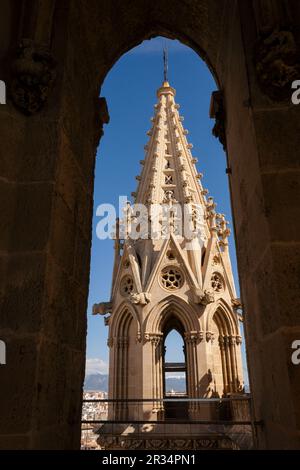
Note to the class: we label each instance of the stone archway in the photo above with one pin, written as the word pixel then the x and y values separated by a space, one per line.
pixel 47 182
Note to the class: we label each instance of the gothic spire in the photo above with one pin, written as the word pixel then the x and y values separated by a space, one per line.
pixel 169 170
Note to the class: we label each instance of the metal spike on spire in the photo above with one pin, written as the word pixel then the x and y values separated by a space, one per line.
pixel 165 55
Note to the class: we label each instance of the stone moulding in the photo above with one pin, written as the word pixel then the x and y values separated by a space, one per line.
pixel 161 443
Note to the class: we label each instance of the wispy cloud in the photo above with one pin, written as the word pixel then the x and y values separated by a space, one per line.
pixel 95 365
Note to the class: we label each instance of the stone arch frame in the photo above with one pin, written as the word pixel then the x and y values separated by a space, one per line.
pixel 119 342
pixel 229 319
pixel 259 167
pixel 117 319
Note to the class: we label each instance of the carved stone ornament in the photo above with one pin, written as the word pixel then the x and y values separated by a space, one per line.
pixel 194 337
pixel 102 308
pixel 238 339
pixel 101 118
pixel 33 75
pixel 236 303
pixel 209 336
pixel 116 442
pixel 208 297
pixel 217 112
pixel 277 64
pixel 154 338
pixel 142 298
pixel 216 260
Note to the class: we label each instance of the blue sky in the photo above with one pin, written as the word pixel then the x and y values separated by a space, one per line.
pixel 130 91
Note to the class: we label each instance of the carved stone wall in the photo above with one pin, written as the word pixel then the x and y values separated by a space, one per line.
pixel 47 169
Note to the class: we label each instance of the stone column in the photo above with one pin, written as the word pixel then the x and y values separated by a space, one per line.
pixel 224 368
pixel 228 364
pixel 232 350
pixel 157 372
pixel 192 339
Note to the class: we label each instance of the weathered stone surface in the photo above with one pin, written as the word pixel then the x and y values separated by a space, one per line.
pixel 281 153
pixel 18 385
pixel 282 202
pixel 26 209
pixel 14 442
pixel 22 298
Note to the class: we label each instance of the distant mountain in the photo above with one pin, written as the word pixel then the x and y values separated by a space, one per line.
pixel 99 382
pixel 96 382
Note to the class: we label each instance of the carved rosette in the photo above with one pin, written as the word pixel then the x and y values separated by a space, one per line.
pixel 33 76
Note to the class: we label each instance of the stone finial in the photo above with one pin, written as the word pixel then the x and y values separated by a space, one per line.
pixel 222 229
pixel 211 213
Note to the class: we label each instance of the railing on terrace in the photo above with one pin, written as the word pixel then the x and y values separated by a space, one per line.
pixel 232 411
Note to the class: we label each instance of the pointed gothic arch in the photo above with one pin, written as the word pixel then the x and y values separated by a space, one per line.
pixel 118 320
pixel 225 349
pixel 178 306
pixel 125 333
pixel 173 312
pixel 227 317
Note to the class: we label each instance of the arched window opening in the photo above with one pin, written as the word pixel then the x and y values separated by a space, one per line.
pixel 175 374
pixel 169 356
pixel 174 365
